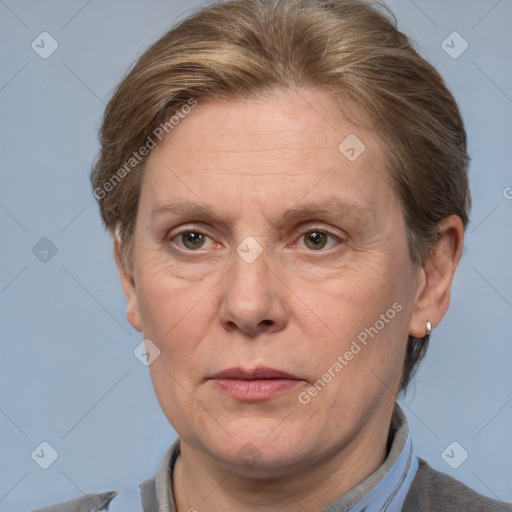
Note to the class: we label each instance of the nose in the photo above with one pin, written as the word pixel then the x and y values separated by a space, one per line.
pixel 253 300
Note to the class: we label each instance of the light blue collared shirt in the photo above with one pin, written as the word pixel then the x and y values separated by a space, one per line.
pixel 385 489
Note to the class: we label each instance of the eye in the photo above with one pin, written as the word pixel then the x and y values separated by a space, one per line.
pixel 192 240
pixel 317 239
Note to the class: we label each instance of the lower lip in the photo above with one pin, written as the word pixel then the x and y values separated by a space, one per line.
pixel 255 390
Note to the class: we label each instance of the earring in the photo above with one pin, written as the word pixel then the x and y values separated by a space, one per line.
pixel 428 329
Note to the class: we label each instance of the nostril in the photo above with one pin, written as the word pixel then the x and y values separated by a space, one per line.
pixel 231 325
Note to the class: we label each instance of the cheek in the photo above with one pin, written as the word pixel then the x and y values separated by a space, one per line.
pixel 349 299
pixel 175 313
pixel 364 314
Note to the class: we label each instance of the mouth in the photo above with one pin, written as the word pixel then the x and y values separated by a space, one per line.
pixel 255 385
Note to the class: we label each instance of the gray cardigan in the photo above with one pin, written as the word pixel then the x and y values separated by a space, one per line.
pixel 430 491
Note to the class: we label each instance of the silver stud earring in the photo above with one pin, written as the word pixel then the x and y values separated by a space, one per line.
pixel 428 329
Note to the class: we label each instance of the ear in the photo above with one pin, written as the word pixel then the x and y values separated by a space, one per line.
pixel 128 283
pixel 433 296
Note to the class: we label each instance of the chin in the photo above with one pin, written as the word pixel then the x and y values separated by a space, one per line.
pixel 259 446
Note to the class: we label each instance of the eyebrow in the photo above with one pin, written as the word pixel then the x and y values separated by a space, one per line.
pixel 332 207
pixel 183 209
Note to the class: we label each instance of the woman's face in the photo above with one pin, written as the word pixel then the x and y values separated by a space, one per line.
pixel 271 270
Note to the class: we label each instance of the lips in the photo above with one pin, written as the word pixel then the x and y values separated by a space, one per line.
pixel 261 373
pixel 254 385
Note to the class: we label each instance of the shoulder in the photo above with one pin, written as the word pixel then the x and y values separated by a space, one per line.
pixel 143 497
pixel 86 503
pixel 433 490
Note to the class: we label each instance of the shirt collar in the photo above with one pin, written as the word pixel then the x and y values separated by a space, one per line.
pixel 383 491
pixel 386 488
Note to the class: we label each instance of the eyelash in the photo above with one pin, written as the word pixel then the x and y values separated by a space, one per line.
pixel 330 235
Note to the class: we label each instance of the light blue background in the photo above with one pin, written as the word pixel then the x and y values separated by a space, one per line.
pixel 68 375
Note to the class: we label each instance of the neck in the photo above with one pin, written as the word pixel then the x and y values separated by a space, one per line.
pixel 201 483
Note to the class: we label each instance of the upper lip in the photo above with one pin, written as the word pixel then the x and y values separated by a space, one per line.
pixel 260 373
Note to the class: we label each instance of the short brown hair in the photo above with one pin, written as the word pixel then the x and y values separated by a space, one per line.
pixel 245 48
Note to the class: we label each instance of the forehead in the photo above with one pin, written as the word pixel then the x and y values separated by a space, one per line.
pixel 292 144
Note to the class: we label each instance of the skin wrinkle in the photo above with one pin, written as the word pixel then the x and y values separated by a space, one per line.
pixel 332 208
pixel 291 308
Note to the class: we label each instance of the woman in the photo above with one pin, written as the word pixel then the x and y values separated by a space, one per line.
pixel 286 186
